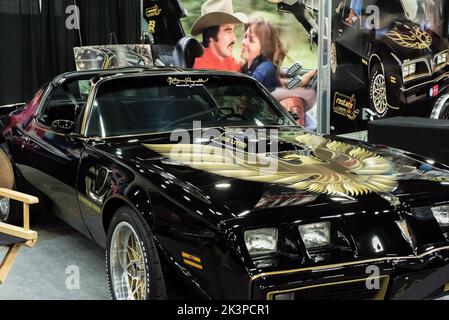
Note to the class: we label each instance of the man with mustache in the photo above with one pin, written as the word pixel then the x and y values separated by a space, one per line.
pixel 217 25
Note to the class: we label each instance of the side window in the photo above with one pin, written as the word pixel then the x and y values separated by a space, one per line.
pixel 65 102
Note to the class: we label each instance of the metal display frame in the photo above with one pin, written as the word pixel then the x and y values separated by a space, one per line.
pixel 324 70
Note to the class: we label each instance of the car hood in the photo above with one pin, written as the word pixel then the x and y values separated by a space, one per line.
pixel 240 171
pixel 411 41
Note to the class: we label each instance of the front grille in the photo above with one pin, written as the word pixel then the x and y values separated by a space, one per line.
pixel 338 292
pixel 345 290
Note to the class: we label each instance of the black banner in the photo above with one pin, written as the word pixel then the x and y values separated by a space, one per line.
pixel 163 17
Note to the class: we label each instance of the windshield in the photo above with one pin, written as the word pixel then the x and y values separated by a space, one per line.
pixel 390 11
pixel 429 14
pixel 390 7
pixel 151 104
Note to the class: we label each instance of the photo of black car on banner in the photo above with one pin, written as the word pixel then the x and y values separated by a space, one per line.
pixel 388 58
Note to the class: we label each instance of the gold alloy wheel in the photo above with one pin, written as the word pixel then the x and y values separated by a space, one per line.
pixel 127 263
pixel 379 95
pixel 333 58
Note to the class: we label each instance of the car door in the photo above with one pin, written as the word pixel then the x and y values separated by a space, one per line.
pixel 47 158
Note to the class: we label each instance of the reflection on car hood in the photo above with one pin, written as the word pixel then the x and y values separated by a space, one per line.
pixel 248 169
pixel 313 164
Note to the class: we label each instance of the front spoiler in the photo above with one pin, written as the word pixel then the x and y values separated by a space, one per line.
pixel 421 91
pixel 385 271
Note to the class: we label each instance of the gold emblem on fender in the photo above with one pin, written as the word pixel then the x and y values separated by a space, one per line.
pixel 332 167
pixel 414 39
pixel 192 260
pixel 90 204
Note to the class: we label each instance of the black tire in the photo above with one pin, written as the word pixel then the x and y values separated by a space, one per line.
pixel 441 108
pixel 124 219
pixel 10 210
pixel 378 92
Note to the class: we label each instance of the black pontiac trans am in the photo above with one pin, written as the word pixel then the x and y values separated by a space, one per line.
pixel 404 63
pixel 238 204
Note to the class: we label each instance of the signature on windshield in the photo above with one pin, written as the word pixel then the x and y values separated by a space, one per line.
pixel 186 81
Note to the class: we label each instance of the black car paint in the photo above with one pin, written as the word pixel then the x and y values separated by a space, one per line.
pixel 87 179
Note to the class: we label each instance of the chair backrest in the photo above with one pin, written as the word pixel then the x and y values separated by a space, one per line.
pixel 186 51
pixel 6 171
pixel 14 237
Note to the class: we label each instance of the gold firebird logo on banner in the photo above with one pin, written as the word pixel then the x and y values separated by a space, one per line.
pixel 414 39
pixel 332 167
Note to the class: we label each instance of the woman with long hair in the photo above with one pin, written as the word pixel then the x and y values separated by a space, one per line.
pixel 262 52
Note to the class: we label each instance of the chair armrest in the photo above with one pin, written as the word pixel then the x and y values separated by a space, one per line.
pixel 25 199
pixel 18 232
pixel 14 195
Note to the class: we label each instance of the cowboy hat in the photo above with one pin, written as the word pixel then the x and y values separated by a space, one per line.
pixel 215 13
pixel 307 95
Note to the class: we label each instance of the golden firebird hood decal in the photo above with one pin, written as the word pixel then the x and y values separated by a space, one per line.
pixel 329 167
pixel 415 39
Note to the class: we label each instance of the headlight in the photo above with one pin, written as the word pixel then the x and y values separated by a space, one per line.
pixel 441 214
pixel 441 58
pixel 261 241
pixel 315 235
pixel 408 70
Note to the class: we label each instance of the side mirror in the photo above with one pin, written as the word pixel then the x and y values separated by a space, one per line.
pixel 63 126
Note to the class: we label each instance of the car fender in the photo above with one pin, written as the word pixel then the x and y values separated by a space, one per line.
pixel 391 71
pixel 136 198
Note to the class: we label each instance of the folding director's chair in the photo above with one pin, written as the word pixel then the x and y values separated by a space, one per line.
pixel 14 237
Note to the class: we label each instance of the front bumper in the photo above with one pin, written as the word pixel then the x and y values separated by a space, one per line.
pixel 376 279
pixel 424 91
